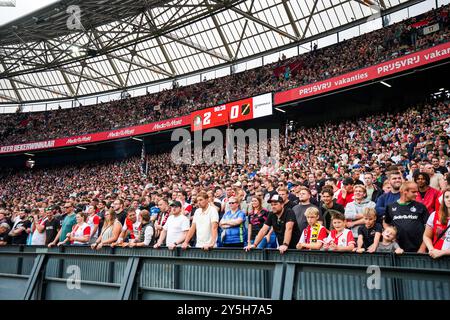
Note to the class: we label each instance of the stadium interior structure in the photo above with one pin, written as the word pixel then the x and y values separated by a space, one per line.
pixel 125 53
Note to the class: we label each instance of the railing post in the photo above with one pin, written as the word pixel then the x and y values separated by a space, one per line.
pixel 289 278
pixel 278 281
pixel 36 275
pixel 129 279
pixel 61 249
pixel 111 267
pixel 176 271
pixel 20 261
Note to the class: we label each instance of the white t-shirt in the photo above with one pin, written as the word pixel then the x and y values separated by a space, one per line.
pixel 38 239
pixel 203 222
pixel 80 231
pixel 175 226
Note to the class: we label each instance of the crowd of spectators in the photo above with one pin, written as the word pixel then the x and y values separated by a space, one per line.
pixel 376 184
pixel 368 49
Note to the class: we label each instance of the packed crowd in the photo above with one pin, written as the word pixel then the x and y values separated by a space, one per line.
pixel 368 49
pixel 378 184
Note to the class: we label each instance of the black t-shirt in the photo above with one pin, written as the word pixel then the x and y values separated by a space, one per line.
pixel 410 220
pixel 51 230
pixel 369 234
pixel 279 226
pixel 22 237
pixel 257 221
pixel 268 194
pixel 442 170
pixel 4 237
pixel 326 213
pixel 299 211
pixel 122 216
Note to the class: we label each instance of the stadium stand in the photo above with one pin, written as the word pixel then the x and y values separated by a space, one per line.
pixel 366 50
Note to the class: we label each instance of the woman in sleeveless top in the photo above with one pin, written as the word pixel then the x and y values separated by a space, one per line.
pixel 110 231
pixel 437 231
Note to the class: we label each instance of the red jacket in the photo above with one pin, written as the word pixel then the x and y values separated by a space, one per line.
pixel 431 196
pixel 343 202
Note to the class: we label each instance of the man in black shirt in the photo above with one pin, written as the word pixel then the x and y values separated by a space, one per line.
pixel 328 206
pixel 52 225
pixel 121 214
pixel 4 230
pixel 284 194
pixel 284 225
pixel 19 232
pixel 410 217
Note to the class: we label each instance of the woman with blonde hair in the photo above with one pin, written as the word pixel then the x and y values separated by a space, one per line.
pixel 110 231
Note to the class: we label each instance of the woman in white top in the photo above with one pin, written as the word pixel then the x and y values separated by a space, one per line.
pixel 110 231
pixel 81 231
pixel 38 228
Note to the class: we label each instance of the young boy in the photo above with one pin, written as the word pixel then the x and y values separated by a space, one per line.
pixel 339 239
pixel 369 233
pixel 314 234
pixel 388 244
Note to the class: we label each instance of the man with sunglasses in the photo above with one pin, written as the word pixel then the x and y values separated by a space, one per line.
pixel 67 221
pixel 284 225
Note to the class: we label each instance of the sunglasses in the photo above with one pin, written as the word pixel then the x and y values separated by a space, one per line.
pixel 231 202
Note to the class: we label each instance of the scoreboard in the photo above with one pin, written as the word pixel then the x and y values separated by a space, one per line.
pixel 242 110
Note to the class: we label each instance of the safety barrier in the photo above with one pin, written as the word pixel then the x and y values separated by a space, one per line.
pixel 143 273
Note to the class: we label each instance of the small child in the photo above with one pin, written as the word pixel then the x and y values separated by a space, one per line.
pixel 314 234
pixel 369 233
pixel 339 239
pixel 389 244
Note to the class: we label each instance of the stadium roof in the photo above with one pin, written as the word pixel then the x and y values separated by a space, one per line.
pixel 77 48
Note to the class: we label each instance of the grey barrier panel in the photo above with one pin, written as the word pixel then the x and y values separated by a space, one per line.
pixel 10 264
pixel 57 289
pixel 12 287
pixel 422 289
pixel 166 272
pixel 332 284
pixel 223 280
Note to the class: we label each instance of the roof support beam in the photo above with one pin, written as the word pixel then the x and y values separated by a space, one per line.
pixel 160 44
pixel 63 74
pixel 291 18
pixel 111 62
pixel 310 19
pixel 13 85
pixel 9 98
pixel 221 34
pixel 258 21
pixel 243 31
pixel 64 94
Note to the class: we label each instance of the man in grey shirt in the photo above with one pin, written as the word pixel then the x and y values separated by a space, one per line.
pixel 304 203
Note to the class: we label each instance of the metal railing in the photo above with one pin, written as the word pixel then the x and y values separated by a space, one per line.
pixel 143 273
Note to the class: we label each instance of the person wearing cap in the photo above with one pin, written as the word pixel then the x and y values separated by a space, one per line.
pixel 284 225
pixel 232 224
pixel 4 237
pixel 176 228
pixel 345 195
pixel 204 224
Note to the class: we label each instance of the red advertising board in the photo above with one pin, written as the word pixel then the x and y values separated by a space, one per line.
pixel 242 110
pixel 407 62
pixel 100 136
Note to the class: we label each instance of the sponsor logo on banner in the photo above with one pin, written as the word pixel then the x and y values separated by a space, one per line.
pixel 407 62
pixel 431 29
pixel 84 139
pixel 167 124
pixel 28 146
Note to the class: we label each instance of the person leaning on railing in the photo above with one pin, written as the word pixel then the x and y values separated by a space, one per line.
pixel 110 231
pixel 437 230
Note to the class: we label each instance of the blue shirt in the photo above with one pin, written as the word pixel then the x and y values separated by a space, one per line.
pixel 383 201
pixel 235 234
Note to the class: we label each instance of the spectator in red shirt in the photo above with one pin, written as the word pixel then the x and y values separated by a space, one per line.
pixel 345 196
pixel 426 195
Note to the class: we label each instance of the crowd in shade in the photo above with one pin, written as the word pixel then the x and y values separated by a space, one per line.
pixel 320 63
pixel 376 184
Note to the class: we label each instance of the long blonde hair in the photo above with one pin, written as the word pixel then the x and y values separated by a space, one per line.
pixel 110 221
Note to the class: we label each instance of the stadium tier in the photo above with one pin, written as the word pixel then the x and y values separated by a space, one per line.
pixel 297 188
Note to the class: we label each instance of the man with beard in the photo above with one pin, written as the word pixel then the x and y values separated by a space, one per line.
pixel 284 225
pixel 395 180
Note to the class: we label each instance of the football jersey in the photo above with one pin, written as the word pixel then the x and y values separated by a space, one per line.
pixel 343 240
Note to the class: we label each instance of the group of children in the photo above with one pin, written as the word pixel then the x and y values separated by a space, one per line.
pixel 371 236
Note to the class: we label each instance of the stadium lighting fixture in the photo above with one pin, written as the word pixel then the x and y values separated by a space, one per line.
pixel 29 154
pixel 82 148
pixel 137 139
pixel 386 84
pixel 441 89
pixel 280 110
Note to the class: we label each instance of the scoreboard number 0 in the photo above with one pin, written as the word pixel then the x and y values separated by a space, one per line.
pixel 234 113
